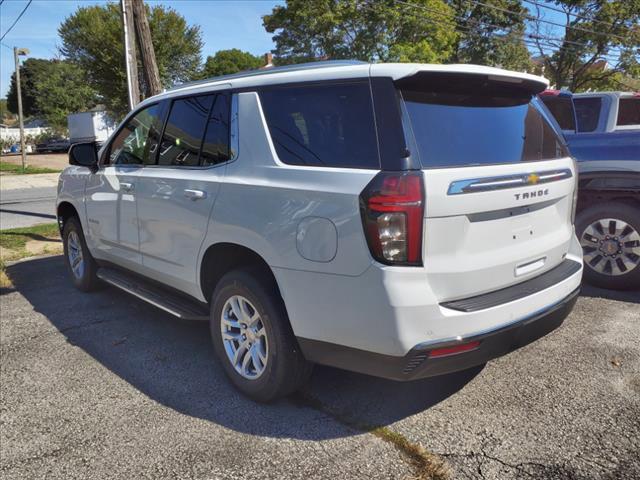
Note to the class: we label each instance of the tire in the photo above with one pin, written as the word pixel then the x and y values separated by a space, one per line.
pixel 83 275
pixel 616 241
pixel 276 367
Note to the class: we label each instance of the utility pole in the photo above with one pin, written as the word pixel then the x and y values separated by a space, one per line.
pixel 16 53
pixel 150 67
pixel 130 60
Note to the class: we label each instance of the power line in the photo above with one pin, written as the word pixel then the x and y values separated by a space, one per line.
pixel 16 21
pixel 583 17
pixel 7 46
pixel 481 23
pixel 534 19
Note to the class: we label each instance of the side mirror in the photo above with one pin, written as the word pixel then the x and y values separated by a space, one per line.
pixel 84 155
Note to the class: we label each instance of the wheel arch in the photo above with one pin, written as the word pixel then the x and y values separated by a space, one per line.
pixel 64 211
pixel 220 258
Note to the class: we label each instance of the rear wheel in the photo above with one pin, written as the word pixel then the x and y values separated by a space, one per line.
pixel 252 336
pixel 80 263
pixel 609 234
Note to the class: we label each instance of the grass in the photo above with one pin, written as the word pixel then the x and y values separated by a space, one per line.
pixel 6 167
pixel 18 243
pixel 426 465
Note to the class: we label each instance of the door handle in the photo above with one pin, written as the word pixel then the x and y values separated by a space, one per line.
pixel 195 194
pixel 126 187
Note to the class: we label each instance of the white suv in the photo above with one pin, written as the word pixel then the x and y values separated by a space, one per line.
pixel 399 220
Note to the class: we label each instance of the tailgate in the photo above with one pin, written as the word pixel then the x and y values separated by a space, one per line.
pixel 480 241
pixel 499 181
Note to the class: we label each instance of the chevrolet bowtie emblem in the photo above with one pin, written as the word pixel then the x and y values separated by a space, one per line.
pixel 532 179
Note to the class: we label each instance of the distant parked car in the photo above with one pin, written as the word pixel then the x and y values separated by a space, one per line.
pixel 602 131
pixel 54 145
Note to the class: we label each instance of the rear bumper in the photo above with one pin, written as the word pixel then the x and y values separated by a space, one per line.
pixel 417 363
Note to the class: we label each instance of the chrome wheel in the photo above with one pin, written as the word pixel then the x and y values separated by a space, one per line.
pixel 244 337
pixel 611 246
pixel 74 254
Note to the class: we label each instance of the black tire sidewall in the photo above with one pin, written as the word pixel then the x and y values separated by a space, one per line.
pixel 621 211
pixel 272 382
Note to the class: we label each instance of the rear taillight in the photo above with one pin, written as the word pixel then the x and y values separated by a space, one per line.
pixel 392 208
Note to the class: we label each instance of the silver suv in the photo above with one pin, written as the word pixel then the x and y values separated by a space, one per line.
pixel 399 220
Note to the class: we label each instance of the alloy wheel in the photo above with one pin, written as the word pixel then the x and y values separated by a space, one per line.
pixel 74 254
pixel 244 336
pixel 611 246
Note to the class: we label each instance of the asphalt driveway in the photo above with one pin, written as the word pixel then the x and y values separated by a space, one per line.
pixel 103 386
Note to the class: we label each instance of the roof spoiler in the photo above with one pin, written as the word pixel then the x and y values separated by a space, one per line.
pixel 483 83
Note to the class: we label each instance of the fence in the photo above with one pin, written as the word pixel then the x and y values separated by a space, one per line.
pixel 14 133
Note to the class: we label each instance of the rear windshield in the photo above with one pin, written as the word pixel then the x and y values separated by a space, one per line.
pixel 453 129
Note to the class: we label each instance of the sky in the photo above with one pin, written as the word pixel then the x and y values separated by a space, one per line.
pixel 224 24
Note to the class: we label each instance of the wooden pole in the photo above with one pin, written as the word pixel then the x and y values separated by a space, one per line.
pixel 150 67
pixel 131 62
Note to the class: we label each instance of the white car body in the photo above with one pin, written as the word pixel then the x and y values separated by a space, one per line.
pixel 345 308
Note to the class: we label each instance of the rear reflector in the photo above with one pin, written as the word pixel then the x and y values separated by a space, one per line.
pixel 454 350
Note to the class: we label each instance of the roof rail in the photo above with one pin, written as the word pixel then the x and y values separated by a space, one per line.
pixel 268 71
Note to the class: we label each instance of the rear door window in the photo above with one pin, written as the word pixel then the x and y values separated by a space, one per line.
pixel 587 113
pixel 215 148
pixel 629 112
pixel 185 128
pixel 322 125
pixel 464 129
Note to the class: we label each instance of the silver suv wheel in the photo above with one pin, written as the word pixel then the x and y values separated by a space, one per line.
pixel 611 246
pixel 244 337
pixel 74 254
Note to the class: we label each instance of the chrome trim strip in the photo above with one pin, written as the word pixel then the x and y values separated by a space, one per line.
pixel 486 184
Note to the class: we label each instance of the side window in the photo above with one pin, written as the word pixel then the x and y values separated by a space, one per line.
pixel 215 148
pixel 183 133
pixel 629 111
pixel 587 113
pixel 131 146
pixel 562 110
pixel 323 125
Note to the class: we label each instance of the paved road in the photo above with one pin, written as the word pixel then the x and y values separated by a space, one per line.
pixel 23 208
pixel 103 386
pixel 27 200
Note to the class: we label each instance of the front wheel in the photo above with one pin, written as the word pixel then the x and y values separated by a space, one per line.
pixel 79 260
pixel 252 336
pixel 609 234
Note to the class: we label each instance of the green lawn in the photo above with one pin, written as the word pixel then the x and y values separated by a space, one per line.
pixel 7 167
pixel 16 238
pixel 13 245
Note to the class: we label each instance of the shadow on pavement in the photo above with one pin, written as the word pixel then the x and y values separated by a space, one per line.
pixel 632 296
pixel 173 363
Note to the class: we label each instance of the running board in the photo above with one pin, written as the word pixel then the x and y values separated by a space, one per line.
pixel 173 303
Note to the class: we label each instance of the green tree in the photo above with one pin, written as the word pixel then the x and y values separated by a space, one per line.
pixel 30 69
pixel 594 31
pixel 92 38
pixel 370 30
pixel 225 62
pixel 51 89
pixel 63 90
pixel 491 34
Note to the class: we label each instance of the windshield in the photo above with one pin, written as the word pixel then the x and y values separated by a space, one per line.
pixel 456 129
